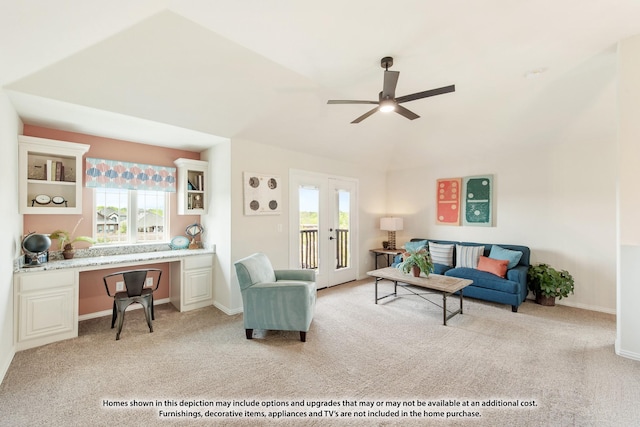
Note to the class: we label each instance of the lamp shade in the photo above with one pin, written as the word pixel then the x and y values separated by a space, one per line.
pixel 391 224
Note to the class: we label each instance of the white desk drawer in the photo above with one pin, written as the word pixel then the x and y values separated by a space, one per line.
pixel 193 262
pixel 30 282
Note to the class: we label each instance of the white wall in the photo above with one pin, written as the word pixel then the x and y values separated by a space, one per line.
pixel 217 223
pixel 628 333
pixel 260 233
pixel 559 200
pixel 10 226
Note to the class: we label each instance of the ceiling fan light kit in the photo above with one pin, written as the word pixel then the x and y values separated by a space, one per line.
pixel 387 105
pixel 387 100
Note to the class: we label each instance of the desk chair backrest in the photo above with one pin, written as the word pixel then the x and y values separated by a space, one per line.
pixel 134 280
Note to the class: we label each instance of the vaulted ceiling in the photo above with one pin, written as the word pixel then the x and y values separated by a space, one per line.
pixel 187 73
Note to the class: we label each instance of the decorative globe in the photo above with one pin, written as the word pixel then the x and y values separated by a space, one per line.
pixel 36 243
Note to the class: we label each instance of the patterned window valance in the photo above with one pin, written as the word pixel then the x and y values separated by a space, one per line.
pixel 103 173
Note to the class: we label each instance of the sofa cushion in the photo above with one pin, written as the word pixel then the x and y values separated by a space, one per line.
pixel 440 268
pixel 498 252
pixel 467 256
pixel 486 280
pixel 441 254
pixel 495 266
pixel 415 246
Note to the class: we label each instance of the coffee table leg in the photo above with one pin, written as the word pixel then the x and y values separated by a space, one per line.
pixel 460 301
pixel 444 307
pixel 377 289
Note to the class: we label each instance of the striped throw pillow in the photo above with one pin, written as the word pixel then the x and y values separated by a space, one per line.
pixel 441 253
pixel 467 256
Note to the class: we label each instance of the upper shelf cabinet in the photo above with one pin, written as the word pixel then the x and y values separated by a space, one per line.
pixel 50 176
pixel 193 195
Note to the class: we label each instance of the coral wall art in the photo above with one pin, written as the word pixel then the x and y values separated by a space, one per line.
pixel 448 201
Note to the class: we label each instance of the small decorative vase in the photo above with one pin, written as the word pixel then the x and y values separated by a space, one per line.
pixel 68 252
pixel 415 270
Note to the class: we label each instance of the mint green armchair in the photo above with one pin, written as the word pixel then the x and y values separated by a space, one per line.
pixel 282 300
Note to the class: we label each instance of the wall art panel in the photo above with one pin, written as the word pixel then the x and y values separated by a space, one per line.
pixel 478 200
pixel 448 201
pixel 262 194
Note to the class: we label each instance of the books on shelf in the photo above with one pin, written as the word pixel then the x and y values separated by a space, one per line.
pixel 54 170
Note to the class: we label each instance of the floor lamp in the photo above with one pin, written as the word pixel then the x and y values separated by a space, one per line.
pixel 391 224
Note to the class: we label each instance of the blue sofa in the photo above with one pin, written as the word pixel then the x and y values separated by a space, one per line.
pixel 512 289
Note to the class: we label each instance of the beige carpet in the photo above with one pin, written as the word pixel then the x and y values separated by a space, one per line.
pixel 357 352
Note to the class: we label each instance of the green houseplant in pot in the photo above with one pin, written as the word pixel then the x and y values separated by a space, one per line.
pixel 416 262
pixel 547 283
pixel 67 239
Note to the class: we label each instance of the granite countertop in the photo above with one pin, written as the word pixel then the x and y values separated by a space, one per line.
pixel 80 262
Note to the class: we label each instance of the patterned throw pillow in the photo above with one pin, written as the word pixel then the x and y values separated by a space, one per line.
pixel 467 256
pixel 498 252
pixel 441 253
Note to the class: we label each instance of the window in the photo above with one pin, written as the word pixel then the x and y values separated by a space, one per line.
pixel 131 216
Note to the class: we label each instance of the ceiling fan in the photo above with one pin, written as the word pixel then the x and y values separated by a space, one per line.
pixel 387 100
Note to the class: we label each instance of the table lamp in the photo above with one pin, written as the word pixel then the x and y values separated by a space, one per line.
pixel 391 224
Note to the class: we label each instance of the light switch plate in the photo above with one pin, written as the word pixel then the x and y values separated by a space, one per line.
pixel 149 281
pixel 119 286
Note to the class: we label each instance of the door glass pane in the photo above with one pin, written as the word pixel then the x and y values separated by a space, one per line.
pixel 309 216
pixel 343 250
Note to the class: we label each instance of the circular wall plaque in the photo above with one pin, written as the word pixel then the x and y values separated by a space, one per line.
pixel 42 199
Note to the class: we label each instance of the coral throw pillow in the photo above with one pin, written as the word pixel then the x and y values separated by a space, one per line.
pixel 495 266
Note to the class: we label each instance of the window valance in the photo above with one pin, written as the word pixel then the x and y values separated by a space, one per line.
pixel 103 173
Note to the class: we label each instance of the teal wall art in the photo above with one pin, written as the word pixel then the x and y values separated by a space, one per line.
pixel 478 200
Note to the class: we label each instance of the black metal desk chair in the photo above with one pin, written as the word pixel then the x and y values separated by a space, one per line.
pixel 134 292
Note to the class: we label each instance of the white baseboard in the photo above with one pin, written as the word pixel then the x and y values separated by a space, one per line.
pixel 109 312
pixel 586 307
pixel 227 310
pixel 5 363
pixel 627 354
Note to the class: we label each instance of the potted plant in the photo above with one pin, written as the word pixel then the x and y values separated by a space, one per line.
pixel 67 239
pixel 416 262
pixel 547 283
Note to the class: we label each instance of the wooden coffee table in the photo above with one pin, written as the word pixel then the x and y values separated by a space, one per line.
pixel 435 283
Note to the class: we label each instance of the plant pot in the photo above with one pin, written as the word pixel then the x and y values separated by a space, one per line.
pixel 415 270
pixel 68 253
pixel 548 301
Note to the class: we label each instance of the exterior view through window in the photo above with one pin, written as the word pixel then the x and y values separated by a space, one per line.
pixel 131 216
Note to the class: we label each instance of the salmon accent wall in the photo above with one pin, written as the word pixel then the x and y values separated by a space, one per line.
pixel 109 149
pixel 93 296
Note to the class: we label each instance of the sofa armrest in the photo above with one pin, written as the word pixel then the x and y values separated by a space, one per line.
pixel 518 274
pixel 303 275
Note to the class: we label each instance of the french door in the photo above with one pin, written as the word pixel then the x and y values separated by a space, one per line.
pixel 323 226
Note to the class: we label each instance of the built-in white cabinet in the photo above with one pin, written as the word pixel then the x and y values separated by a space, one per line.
pixel 50 180
pixel 193 197
pixel 196 289
pixel 46 307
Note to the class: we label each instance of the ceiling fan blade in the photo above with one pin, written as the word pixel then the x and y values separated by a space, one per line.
pixel 344 101
pixel 407 113
pixel 390 83
pixel 426 93
pixel 365 115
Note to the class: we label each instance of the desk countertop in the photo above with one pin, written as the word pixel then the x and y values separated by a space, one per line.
pixel 90 263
